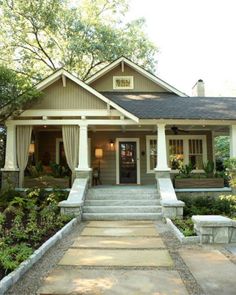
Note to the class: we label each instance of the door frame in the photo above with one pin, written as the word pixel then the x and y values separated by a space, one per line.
pixel 118 140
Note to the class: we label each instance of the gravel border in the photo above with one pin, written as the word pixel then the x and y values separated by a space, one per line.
pixel 173 245
pixel 180 236
pixel 32 278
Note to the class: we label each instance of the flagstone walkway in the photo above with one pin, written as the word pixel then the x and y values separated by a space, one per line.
pixel 116 257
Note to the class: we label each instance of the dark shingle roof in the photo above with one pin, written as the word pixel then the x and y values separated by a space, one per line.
pixel 170 106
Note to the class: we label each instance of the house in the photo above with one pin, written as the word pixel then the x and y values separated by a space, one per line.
pixel 130 123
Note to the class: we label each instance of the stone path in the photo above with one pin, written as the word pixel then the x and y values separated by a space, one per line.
pixel 213 271
pixel 116 258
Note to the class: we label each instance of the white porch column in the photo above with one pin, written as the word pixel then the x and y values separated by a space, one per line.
pixel 233 141
pixel 83 149
pixel 10 159
pixel 161 149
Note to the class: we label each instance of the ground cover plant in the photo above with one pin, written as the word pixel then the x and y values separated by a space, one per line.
pixel 27 220
pixel 223 205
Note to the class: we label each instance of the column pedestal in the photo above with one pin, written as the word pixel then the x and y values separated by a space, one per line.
pixel 10 178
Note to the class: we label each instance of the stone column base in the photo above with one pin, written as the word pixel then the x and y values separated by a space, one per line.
pixel 172 209
pixel 162 174
pixel 75 210
pixel 10 179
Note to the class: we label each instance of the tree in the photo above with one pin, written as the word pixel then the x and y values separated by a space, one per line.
pixel 222 147
pixel 41 36
pixel 16 93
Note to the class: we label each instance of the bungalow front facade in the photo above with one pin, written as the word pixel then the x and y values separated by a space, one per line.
pixel 122 126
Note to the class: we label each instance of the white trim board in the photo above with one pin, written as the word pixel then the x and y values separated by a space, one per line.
pixel 62 72
pixel 139 69
pixel 118 140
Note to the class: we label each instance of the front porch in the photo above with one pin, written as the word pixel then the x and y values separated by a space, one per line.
pixel 111 154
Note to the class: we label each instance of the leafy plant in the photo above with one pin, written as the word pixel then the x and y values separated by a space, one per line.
pixel 186 226
pixel 35 171
pixel 208 168
pixel 186 171
pixel 58 171
pixel 11 257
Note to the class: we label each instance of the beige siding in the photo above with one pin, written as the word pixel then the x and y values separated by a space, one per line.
pixel 70 97
pixel 141 83
pixel 46 145
pixel 108 163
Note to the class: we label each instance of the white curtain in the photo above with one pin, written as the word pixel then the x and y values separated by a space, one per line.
pixel 70 136
pixel 23 139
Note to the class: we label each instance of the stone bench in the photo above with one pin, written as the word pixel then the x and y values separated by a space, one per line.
pixel 215 229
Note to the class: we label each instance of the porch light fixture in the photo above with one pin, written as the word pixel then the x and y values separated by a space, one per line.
pixel 112 145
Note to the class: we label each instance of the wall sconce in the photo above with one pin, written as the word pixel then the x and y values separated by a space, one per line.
pixel 112 145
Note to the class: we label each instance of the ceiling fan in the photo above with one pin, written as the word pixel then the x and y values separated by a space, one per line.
pixel 176 130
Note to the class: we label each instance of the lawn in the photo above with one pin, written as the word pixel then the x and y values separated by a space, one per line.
pixel 27 220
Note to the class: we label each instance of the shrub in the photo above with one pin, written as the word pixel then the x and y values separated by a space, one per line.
pixel 224 205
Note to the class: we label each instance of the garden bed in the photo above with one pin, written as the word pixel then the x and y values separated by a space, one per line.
pixel 185 236
pixel 27 220
pixel 184 229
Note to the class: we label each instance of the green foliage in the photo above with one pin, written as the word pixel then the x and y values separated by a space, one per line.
pixel 41 36
pixel 222 147
pixel 35 171
pixel 16 93
pixel 30 218
pixel 186 226
pixel 58 171
pixel 185 171
pixel 208 168
pixel 11 257
pixel 224 205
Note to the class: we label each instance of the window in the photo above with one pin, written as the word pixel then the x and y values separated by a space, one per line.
pixel 196 153
pixel 123 82
pixel 181 150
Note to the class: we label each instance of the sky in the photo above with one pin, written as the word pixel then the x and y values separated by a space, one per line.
pixel 196 40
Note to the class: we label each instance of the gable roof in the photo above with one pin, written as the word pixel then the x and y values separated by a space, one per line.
pixel 139 69
pixel 158 105
pixel 62 72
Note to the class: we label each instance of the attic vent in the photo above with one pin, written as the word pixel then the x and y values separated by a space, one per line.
pixel 123 82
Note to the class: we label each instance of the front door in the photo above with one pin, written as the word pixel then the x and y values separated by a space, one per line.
pixel 128 161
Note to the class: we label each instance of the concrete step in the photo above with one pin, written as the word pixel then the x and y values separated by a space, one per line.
pixel 124 202
pixel 121 196
pixel 122 209
pixel 122 216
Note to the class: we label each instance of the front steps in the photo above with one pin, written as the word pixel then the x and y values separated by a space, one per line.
pixel 126 203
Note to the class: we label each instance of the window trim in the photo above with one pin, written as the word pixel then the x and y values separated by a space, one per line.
pixel 185 139
pixel 123 77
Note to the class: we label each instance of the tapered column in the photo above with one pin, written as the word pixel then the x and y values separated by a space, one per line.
pixel 161 149
pixel 10 172
pixel 83 169
pixel 233 141
pixel 10 159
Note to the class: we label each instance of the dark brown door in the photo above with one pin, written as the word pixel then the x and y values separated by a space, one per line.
pixel 128 162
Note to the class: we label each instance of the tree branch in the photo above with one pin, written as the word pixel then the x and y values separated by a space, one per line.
pixel 41 47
